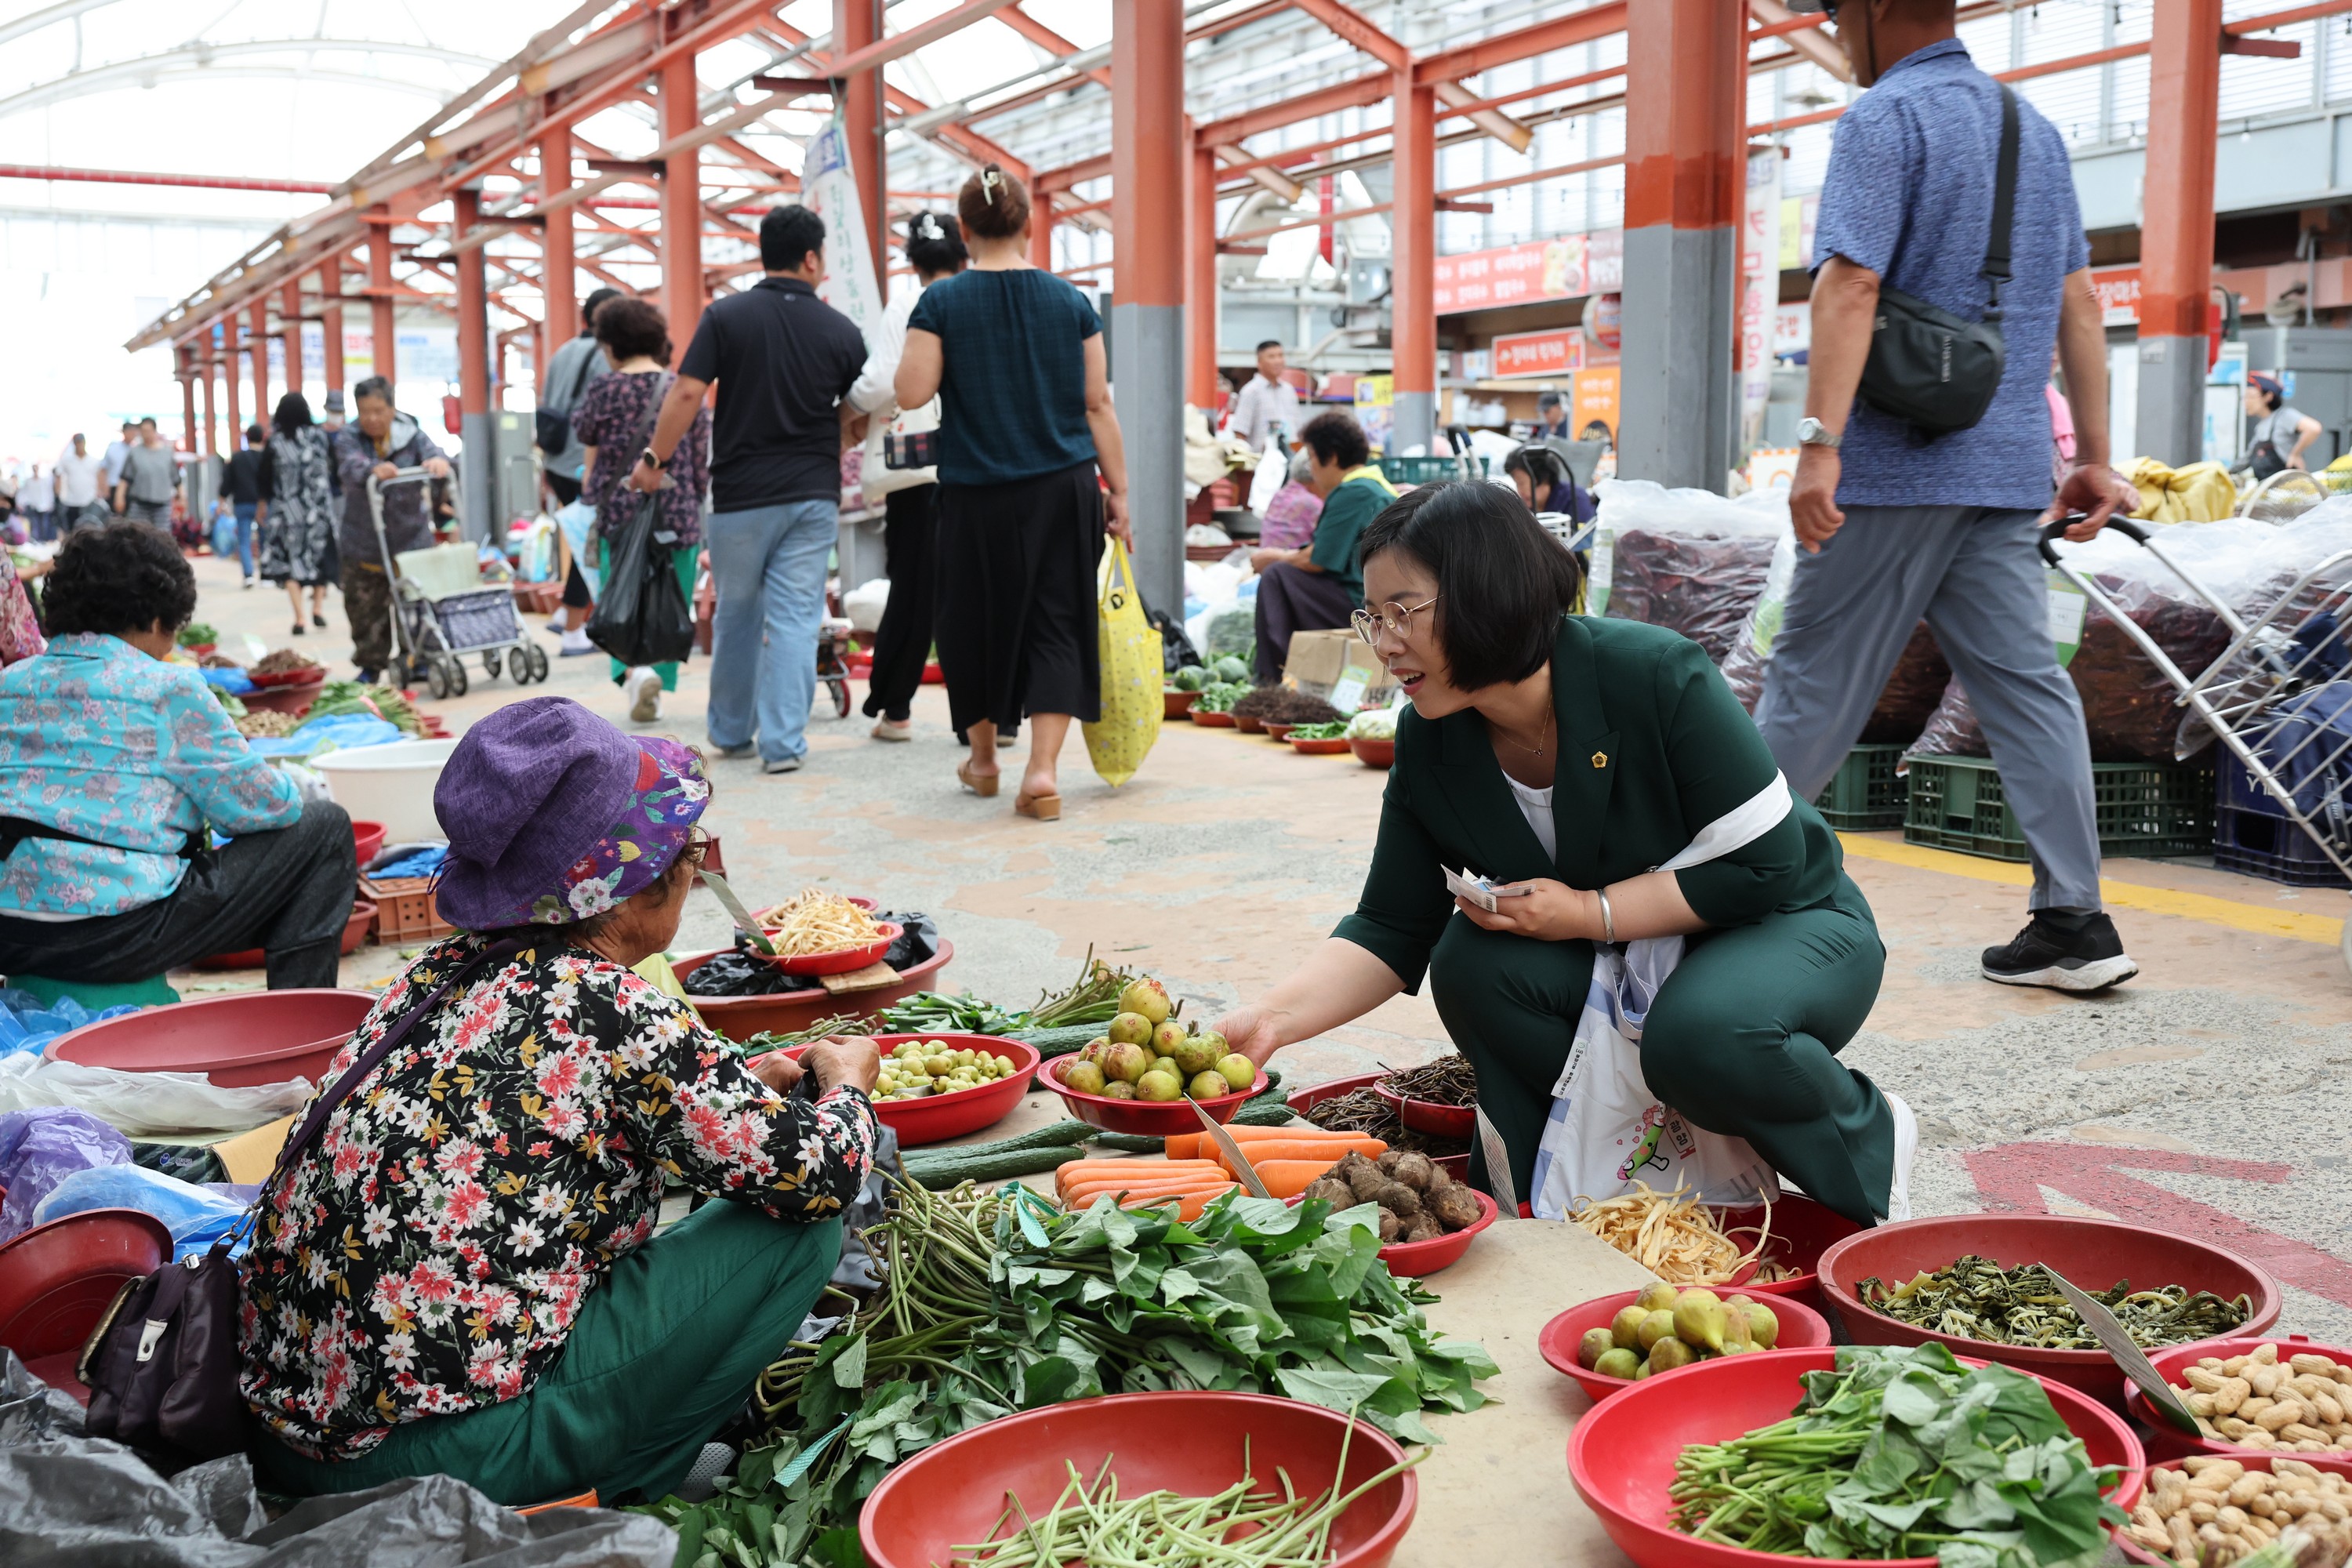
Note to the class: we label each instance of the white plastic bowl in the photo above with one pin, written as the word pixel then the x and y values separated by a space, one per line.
pixel 392 785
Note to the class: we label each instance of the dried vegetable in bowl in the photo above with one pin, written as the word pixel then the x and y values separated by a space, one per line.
pixel 1974 1298
pixel 1361 1111
pixel 283 661
pixel 1448 1080
pixel 2208 1512
pixel 251 725
pixel 817 922
pixel 2302 1402
pixel 1676 1237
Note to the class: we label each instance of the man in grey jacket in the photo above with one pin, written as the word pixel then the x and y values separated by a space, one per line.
pixel 570 370
pixel 382 442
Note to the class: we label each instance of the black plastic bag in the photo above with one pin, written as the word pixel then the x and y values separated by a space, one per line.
pixel 918 937
pixel 738 973
pixel 643 618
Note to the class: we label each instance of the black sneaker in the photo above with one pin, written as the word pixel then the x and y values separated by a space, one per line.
pixel 2065 952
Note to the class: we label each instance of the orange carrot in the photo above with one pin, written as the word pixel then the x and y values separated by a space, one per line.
pixel 1200 1145
pixel 1189 1206
pixel 1075 1167
pixel 1264 1150
pixel 1137 1185
pixel 1288 1178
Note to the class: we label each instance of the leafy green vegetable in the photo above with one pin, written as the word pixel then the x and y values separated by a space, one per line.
pixel 932 1012
pixel 1901 1453
pixel 197 634
pixel 1221 697
pixel 1975 1299
pixel 1335 730
pixel 1373 724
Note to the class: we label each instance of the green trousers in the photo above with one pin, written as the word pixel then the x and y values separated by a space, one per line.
pixel 663 1354
pixel 687 559
pixel 1742 1040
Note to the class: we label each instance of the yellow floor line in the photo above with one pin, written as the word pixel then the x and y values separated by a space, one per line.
pixel 2326 929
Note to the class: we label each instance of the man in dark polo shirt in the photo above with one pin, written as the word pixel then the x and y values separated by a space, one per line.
pixel 782 360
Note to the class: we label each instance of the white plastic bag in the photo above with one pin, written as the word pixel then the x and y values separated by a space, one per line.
pixel 1273 473
pixel 864 604
pixel 146 1104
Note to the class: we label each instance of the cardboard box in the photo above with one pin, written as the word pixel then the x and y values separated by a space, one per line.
pixel 1324 662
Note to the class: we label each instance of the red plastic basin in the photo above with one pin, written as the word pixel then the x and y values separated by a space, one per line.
pixel 253 1038
pixel 787 1012
pixel 1428 1116
pixel 1622 1454
pixel 2092 1254
pixel 56 1281
pixel 1454 1166
pixel 1150 1118
pixel 367 840
pixel 355 931
pixel 2166 1443
pixel 847 958
pixel 1802 1328
pixel 942 1116
pixel 1801 1231
pixel 1414 1259
pixel 1193 1443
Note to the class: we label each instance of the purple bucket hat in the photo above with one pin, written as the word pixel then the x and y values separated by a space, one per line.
pixel 553 816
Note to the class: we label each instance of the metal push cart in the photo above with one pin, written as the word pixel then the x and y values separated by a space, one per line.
pixel 2279 697
pixel 438 619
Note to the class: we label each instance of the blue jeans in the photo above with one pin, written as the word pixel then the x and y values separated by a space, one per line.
pixel 245 535
pixel 768 566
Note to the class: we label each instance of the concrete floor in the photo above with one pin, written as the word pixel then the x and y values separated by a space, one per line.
pixel 2208 1095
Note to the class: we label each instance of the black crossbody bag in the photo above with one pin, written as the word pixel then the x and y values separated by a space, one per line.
pixel 1928 367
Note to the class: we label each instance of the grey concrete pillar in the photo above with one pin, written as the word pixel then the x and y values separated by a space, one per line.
pixel 1413 423
pixel 478 483
pixel 1676 393
pixel 2171 405
pixel 1147 357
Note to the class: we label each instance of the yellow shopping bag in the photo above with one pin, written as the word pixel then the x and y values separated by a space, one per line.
pixel 1132 676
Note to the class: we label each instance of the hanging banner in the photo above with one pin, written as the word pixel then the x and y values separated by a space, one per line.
pixel 829 189
pixel 1759 290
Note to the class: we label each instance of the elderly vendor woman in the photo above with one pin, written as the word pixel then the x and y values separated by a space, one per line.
pixel 1603 773
pixel 462 1274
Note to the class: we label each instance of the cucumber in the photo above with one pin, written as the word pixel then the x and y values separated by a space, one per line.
pixel 1021 1155
pixel 1060 1041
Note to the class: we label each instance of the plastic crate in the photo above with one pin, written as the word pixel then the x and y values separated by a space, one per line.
pixel 1867 794
pixel 1431 470
pixel 404 909
pixel 2141 808
pixel 2253 835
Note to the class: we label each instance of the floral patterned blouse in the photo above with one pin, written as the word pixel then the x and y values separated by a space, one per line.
pixel 98 739
pixel 610 415
pixel 432 1254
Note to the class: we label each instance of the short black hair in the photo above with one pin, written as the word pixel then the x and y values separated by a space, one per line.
pixel 255 434
pixel 1335 437
pixel 786 237
pixel 935 244
pixel 1542 465
pixel 593 304
pixel 375 386
pixel 293 414
pixel 1503 583
pixel 629 328
pixel 1269 344
pixel 1547 400
pixel 115 578
pixel 146 421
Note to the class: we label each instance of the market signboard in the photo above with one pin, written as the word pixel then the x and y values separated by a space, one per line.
pixel 1564 268
pixel 1554 351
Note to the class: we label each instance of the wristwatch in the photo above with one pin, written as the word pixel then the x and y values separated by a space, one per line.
pixel 652 458
pixel 1811 432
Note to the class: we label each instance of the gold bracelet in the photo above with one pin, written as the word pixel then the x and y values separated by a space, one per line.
pixel 1608 919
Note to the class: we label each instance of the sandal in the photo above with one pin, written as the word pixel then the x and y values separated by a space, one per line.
pixel 1043 808
pixel 983 784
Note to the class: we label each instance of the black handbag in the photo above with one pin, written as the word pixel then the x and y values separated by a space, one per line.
pixel 161 1365
pixel 910 448
pixel 1927 366
pixel 552 426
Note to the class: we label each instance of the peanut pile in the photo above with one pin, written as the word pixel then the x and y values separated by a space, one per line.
pixel 2212 1510
pixel 2301 1405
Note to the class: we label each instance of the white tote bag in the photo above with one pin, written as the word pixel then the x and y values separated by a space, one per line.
pixel 1606 1130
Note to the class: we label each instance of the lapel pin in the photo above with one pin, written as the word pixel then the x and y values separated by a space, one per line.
pixel 1599 759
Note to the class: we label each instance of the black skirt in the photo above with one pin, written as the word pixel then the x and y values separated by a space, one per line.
pixel 1016 624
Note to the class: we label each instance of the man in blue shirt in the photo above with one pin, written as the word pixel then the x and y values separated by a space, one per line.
pixel 1895 527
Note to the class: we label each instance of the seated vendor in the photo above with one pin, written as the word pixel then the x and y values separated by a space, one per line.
pixel 1570 757
pixel 1318 587
pixel 112 764
pixel 1540 475
pixel 461 1274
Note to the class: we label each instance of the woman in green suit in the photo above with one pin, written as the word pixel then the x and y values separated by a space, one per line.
pixel 1568 758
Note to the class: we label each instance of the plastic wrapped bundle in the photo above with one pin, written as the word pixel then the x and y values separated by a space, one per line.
pixel 1952 730
pixel 1912 688
pixel 1687 560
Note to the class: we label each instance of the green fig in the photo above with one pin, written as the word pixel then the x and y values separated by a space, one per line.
pixel 1657 1297
pixel 1194 1056
pixel 1208 1085
pixel 1147 999
pixel 1168 1066
pixel 1640 1371
pixel 1167 1035
pixel 1654 1327
pixel 1625 1327
pixel 1595 1344
pixel 1129 1029
pixel 1698 1320
pixel 1237 1070
pixel 1734 1331
pixel 1620 1363
pixel 1669 1354
pixel 1763 1325
pixel 1086 1077
pixel 1125 1063
pixel 1118 1088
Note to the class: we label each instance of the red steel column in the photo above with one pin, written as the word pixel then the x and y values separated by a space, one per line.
pixel 1686 179
pixel 856 24
pixel 257 339
pixel 1201 283
pixel 561 315
pixel 474 368
pixel 1148 147
pixel 227 364
pixel 380 296
pixel 187 376
pixel 1412 278
pixel 212 418
pixel 2176 246
pixel 331 321
pixel 290 308
pixel 1041 230
pixel 681 203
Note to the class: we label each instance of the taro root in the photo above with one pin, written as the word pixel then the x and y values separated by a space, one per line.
pixel 1392 1227
pixel 1454 1206
pixel 1424 1227
pixel 1338 1193
pixel 1418 1172
pixel 1398 1199
pixel 1364 1178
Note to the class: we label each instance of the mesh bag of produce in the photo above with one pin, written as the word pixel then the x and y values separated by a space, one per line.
pixel 1687 560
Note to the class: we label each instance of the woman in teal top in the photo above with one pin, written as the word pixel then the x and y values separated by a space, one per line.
pixel 1571 757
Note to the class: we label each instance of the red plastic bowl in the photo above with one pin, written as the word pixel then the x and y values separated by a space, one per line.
pixel 367 840
pixel 1208 720
pixel 1332 746
pixel 1428 1116
pixel 1802 1328
pixel 355 931
pixel 954 1493
pixel 1151 1118
pixel 2165 1444
pixel 1454 1166
pixel 56 1281
pixel 1622 1454
pixel 847 959
pixel 1414 1259
pixel 1248 725
pixel 314 676
pixel 1278 732
pixel 252 1037
pixel 1801 1231
pixel 787 1012
pixel 1176 704
pixel 938 1117
pixel 1374 754
pixel 2092 1254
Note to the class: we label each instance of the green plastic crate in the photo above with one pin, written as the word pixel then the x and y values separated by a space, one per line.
pixel 2141 808
pixel 1867 794
pixel 1429 470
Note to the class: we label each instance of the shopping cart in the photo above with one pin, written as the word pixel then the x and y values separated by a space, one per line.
pixel 832 670
pixel 441 612
pixel 2279 697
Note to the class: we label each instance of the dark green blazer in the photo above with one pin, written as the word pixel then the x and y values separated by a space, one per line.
pixel 1653 746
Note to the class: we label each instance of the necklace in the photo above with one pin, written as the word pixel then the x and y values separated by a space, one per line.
pixel 1543 742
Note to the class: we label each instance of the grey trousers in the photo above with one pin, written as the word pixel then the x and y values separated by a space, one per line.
pixel 1973 573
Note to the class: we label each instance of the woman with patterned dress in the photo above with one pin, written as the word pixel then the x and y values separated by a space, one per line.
pixel 297 515
pixel 462 1274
